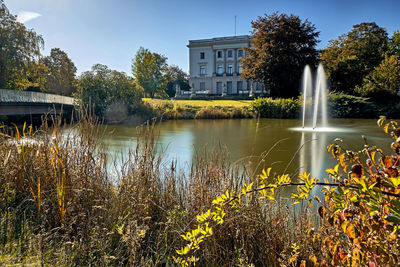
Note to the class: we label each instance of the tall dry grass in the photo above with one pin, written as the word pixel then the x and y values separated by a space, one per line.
pixel 61 206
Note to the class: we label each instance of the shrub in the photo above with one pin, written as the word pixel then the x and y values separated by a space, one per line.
pixel 348 106
pixel 276 108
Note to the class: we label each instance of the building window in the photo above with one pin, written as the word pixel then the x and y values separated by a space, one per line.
pixel 230 53
pixel 219 54
pixel 230 69
pixel 202 70
pixel 202 86
pixel 202 56
pixel 219 70
pixel 239 68
pixel 240 53
pixel 240 85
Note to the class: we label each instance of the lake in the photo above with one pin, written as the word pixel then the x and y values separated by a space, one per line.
pixel 256 143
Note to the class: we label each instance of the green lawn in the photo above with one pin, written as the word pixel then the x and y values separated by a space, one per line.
pixel 202 103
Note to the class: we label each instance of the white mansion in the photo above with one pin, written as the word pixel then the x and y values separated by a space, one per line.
pixel 215 66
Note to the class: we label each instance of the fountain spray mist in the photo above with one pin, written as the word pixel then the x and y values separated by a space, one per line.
pixel 307 87
pixel 320 97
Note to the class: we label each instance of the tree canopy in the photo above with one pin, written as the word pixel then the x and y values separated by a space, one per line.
pixel 103 88
pixel 148 69
pixel 394 44
pixel 383 83
pixel 20 68
pixel 352 56
pixel 176 76
pixel 61 75
pixel 282 45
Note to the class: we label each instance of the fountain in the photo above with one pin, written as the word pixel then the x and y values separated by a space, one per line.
pixel 315 107
pixel 319 96
pixel 319 114
pixel 318 99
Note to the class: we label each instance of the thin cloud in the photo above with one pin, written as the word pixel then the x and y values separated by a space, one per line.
pixel 25 16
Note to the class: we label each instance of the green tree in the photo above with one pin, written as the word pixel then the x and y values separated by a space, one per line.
pixel 105 88
pixel 20 68
pixel 282 45
pixel 394 44
pixel 383 83
pixel 148 69
pixel 354 55
pixel 61 75
pixel 176 76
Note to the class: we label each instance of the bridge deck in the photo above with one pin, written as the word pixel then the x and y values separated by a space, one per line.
pixel 32 103
pixel 14 96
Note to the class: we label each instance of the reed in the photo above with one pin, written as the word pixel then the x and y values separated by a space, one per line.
pixel 60 204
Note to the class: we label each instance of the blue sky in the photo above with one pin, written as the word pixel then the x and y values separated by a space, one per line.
pixel 111 31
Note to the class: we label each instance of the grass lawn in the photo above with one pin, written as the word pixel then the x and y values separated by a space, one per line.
pixel 203 103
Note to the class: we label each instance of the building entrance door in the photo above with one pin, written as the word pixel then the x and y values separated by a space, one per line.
pixel 229 88
pixel 219 88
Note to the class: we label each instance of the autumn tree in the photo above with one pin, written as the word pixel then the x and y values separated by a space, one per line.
pixel 352 56
pixel 282 45
pixel 176 76
pixel 148 69
pixel 20 67
pixel 61 75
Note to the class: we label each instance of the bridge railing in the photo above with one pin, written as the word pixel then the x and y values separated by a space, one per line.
pixel 15 96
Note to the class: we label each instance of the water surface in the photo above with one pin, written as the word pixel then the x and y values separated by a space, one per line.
pixel 273 142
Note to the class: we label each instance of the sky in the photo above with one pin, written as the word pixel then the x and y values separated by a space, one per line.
pixel 111 31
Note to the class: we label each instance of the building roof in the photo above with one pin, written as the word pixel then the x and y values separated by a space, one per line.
pixel 220 40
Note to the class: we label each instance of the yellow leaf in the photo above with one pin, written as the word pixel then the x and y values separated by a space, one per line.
pixel 313 259
pixel 341 159
pixel 344 225
pixel 386 128
pixel 373 156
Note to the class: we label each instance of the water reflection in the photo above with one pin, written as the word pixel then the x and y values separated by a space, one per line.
pixel 257 143
pixel 313 153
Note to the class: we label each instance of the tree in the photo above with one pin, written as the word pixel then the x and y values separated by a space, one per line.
pixel 282 45
pixel 20 68
pixel 354 55
pixel 383 83
pixel 394 44
pixel 176 76
pixel 148 69
pixel 61 75
pixel 104 88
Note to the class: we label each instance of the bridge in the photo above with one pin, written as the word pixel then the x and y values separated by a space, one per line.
pixel 13 102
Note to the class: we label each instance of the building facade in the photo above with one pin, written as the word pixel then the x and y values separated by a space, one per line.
pixel 215 66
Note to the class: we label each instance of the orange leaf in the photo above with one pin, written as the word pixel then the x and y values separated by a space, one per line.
pixel 351 231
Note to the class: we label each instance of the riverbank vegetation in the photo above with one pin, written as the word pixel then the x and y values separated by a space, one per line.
pixel 340 105
pixel 61 205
